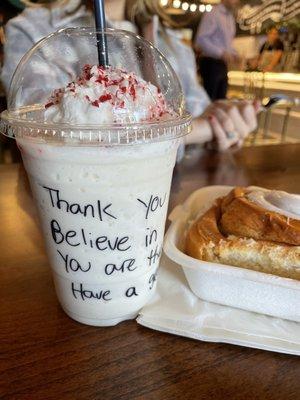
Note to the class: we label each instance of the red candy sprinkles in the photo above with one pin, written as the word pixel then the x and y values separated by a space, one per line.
pixel 117 87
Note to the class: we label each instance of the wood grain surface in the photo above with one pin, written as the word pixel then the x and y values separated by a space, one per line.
pixel 46 355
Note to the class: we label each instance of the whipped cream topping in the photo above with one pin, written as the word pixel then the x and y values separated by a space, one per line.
pixel 277 201
pixel 106 96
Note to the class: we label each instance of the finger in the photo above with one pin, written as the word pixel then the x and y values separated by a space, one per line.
pixel 257 105
pixel 224 119
pixel 238 145
pixel 240 124
pixel 248 113
pixel 220 135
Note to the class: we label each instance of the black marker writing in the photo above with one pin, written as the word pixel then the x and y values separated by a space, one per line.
pixel 154 255
pixel 59 237
pixel 103 210
pixel 150 237
pixel 127 265
pixel 80 292
pixel 152 281
pixel 153 204
pixel 76 238
pixel 88 210
pixel 73 265
pixel 131 292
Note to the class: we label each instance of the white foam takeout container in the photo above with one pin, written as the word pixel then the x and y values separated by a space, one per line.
pixel 223 284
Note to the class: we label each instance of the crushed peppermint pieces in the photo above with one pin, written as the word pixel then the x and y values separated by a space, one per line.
pixel 117 87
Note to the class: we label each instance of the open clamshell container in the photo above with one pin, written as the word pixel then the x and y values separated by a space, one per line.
pixel 224 284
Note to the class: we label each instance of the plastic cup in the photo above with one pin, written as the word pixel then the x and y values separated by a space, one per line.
pixel 101 191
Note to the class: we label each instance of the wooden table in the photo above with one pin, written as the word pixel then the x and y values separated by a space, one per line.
pixel 45 355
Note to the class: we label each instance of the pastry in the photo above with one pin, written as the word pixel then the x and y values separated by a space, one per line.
pixel 256 229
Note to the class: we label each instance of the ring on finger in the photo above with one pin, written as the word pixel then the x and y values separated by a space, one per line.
pixel 231 134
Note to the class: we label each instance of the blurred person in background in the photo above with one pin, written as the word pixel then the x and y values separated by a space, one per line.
pixel 2 36
pixel 270 53
pixel 214 40
pixel 37 20
pixel 224 123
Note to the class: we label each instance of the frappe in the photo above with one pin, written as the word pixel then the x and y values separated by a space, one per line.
pixel 100 170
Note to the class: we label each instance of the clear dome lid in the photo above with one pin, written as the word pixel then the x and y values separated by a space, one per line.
pixel 57 61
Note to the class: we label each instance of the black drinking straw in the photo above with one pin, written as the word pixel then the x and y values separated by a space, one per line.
pixel 101 37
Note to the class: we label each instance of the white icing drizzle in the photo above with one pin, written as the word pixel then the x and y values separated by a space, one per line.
pixel 277 201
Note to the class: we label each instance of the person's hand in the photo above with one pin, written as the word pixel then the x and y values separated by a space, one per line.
pixel 236 58
pixel 231 58
pixel 227 57
pixel 231 122
pixel 268 68
pixel 253 63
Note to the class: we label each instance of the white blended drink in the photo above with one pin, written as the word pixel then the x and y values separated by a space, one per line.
pixel 100 165
pixel 103 213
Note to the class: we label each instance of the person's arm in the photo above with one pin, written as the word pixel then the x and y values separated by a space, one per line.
pixel 17 42
pixel 253 62
pixel 201 132
pixel 274 61
pixel 196 97
pixel 207 28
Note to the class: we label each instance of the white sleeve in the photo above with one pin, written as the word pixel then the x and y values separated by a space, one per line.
pixel 182 59
pixel 16 45
pixel 196 97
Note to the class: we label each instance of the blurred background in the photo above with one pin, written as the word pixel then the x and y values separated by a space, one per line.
pixel 259 23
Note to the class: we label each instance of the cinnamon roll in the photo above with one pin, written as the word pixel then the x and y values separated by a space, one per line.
pixel 257 229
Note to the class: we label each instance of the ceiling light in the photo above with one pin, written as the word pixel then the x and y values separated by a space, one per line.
pixel 185 6
pixel 176 3
pixel 164 3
